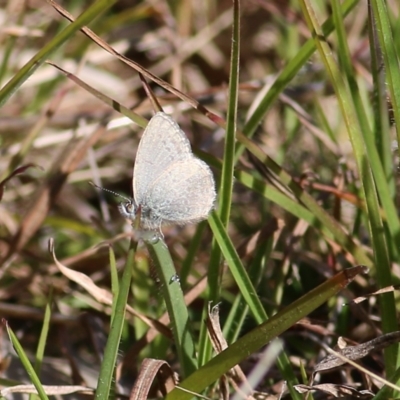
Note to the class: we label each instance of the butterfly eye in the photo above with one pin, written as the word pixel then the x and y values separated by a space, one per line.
pixel 127 209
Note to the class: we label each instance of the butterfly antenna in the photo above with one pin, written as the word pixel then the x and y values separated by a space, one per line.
pixel 110 191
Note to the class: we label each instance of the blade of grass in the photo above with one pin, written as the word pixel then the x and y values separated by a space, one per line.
pixel 42 340
pixel 106 376
pixel 43 336
pixel 114 278
pixel 136 118
pixel 380 110
pixel 26 364
pixel 225 190
pixel 226 185
pixel 236 267
pixel 390 56
pixel 175 303
pixel 386 391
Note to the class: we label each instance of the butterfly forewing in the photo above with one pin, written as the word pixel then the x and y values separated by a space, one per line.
pixel 162 144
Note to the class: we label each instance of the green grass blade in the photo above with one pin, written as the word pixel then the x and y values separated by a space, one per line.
pixel 175 303
pixel 43 336
pixel 236 267
pixel 114 278
pixel 383 141
pixel 225 191
pixel 106 376
pixel 390 56
pixel 27 365
pixel 42 341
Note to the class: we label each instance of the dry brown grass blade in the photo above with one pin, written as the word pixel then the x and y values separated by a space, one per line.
pixel 338 391
pixel 150 370
pixel 150 94
pixel 105 99
pixel 238 377
pixel 90 252
pixel 49 390
pixel 387 289
pixel 357 352
pixel 349 354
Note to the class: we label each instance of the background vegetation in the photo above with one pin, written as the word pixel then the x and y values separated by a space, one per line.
pixel 306 167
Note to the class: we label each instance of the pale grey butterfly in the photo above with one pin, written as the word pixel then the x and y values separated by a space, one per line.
pixel 170 184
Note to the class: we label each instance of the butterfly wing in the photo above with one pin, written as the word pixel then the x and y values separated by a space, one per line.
pixel 182 194
pixel 162 144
